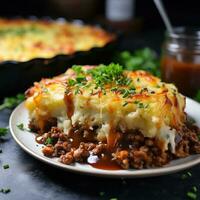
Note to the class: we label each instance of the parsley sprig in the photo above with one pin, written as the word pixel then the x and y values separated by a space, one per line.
pixel 78 69
pixel 192 194
pixel 197 97
pixel 102 76
pixel 113 73
pixel 3 131
pixel 11 102
pixel 49 141
pixel 142 59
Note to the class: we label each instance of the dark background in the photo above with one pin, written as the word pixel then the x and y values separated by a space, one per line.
pixel 182 12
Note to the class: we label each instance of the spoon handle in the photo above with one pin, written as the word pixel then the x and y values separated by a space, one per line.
pixel 163 14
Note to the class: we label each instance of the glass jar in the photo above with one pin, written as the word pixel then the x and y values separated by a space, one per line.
pixel 180 62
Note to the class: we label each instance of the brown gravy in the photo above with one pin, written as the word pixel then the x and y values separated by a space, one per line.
pixel 104 162
pixel 185 75
pixel 68 98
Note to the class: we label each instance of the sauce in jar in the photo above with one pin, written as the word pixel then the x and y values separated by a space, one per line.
pixel 180 63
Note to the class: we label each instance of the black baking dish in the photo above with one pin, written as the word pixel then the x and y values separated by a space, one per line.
pixel 17 76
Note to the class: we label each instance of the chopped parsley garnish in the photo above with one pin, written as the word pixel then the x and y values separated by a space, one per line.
pixel 6 166
pixel 21 126
pixel 113 73
pixel 102 75
pixel 5 191
pixel 192 195
pixel 49 141
pixel 104 78
pixel 186 175
pixel 124 91
pixel 125 103
pixel 194 188
pixel 71 82
pixel 101 194
pixel 11 102
pixel 3 131
pixel 125 94
pixel 189 174
pixel 140 104
pixel 77 69
pixel 114 89
pixel 77 91
pixel 80 79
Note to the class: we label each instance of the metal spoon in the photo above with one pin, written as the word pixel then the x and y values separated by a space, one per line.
pixel 164 15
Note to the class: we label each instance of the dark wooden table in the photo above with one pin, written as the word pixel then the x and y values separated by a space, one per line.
pixel 30 179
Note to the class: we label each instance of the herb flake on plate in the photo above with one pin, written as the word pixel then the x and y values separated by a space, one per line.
pixel 5 191
pixel 6 166
pixel 21 126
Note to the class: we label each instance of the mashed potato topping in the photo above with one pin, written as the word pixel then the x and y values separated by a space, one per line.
pixel 108 100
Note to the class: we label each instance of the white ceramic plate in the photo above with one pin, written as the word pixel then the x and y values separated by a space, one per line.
pixel 26 140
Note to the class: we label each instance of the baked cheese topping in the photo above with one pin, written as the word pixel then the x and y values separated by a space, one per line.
pixel 109 100
pixel 22 40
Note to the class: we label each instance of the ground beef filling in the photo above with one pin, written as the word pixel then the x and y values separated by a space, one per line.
pixel 133 150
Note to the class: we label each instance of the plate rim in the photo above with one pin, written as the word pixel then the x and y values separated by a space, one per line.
pixel 131 173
